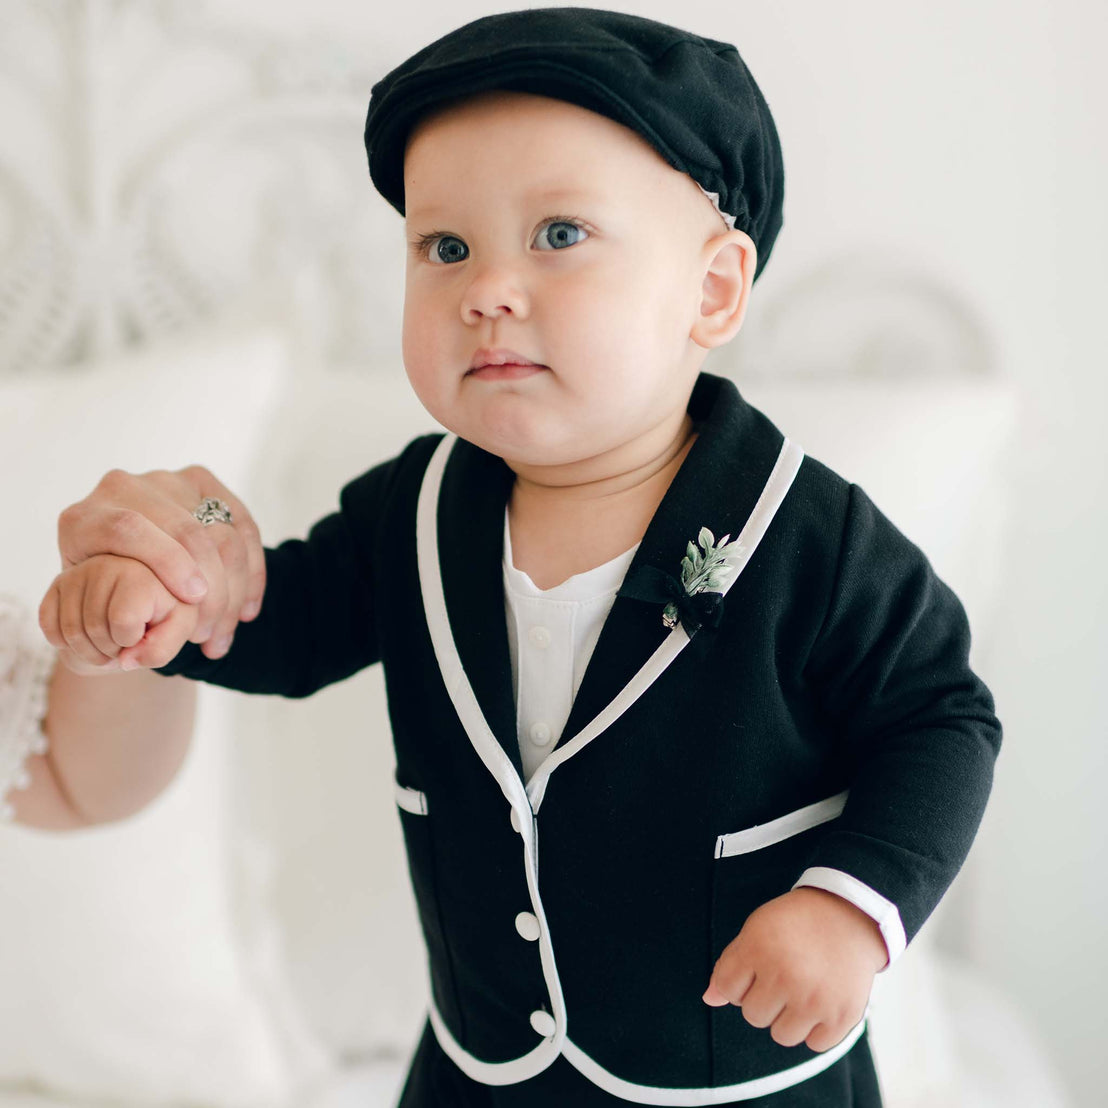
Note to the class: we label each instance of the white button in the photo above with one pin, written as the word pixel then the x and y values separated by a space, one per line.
pixel 539 637
pixel 543 1023
pixel 528 926
pixel 515 822
pixel 541 733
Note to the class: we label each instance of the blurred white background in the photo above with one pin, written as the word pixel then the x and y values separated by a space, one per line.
pixel 960 141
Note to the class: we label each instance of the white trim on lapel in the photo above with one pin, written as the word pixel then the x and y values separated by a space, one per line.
pixel 771 498
pixel 500 766
pixel 524 802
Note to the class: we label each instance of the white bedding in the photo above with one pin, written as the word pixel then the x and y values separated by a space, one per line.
pixel 263 828
pixel 997 1062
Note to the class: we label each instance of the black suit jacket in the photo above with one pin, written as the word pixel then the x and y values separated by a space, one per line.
pixel 839 667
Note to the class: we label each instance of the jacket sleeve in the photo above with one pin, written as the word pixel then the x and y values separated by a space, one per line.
pixel 318 620
pixel 916 726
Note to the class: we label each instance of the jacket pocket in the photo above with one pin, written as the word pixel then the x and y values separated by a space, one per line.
pixel 759 863
pixel 784 827
pixel 750 868
pixel 419 842
pixel 411 800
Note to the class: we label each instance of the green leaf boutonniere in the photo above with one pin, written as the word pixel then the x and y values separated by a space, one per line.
pixel 703 570
pixel 694 599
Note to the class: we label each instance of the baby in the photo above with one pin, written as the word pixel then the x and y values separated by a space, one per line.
pixel 619 612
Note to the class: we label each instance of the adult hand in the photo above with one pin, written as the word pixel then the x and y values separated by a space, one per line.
pixel 148 517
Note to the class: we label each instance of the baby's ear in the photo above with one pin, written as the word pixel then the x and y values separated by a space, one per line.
pixel 730 262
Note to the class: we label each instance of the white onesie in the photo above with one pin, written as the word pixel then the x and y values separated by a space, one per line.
pixel 558 629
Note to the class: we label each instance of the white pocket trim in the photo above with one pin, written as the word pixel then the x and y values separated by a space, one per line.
pixel 411 800
pixel 777 830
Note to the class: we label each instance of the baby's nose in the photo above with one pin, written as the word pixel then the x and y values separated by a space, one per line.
pixel 493 293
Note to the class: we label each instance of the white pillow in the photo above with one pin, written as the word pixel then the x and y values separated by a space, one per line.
pixel 320 771
pixel 124 975
pixel 932 453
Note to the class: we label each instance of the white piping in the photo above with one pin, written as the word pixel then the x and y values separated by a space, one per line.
pixel 784 827
pixel 499 765
pixel 492 1073
pixel 652 668
pixel 411 800
pixel 525 801
pixel 879 908
pixel 720 1094
pixel 772 496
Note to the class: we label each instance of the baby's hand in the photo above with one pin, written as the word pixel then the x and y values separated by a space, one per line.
pixel 803 966
pixel 110 613
pixel 149 517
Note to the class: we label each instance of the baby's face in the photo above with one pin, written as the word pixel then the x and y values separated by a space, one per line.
pixel 542 229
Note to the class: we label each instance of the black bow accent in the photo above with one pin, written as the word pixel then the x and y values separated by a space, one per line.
pixel 655 586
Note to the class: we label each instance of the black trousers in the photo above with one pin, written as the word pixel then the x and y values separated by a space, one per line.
pixel 435 1082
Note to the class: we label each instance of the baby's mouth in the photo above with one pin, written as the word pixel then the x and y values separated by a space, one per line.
pixel 506 371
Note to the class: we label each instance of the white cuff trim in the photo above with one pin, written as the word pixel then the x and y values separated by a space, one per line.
pixel 884 912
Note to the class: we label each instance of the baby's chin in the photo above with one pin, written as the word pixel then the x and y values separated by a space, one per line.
pixel 527 430
pixel 526 447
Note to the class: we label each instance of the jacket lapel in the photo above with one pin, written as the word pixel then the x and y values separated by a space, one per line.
pixel 475 488
pixel 717 486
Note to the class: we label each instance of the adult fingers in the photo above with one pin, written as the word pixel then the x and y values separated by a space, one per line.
pixel 149 517
pixel 210 555
pixel 221 609
pixel 133 517
pixel 230 554
pixel 246 530
pixel 221 640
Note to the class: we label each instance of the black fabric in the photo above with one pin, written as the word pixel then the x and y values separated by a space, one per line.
pixel 435 1082
pixel 691 98
pixel 840 663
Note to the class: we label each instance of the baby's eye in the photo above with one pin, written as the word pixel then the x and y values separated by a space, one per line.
pixel 560 233
pixel 445 249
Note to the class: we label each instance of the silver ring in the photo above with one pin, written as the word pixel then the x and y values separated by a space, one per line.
pixel 213 511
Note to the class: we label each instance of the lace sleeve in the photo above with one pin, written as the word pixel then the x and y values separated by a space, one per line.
pixel 26 663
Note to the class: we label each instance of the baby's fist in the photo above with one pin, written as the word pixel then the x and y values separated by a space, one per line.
pixel 109 613
pixel 803 966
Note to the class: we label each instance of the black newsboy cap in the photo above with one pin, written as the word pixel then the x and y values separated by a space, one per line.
pixel 691 98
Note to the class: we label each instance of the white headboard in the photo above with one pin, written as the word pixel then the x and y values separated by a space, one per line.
pixel 159 169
